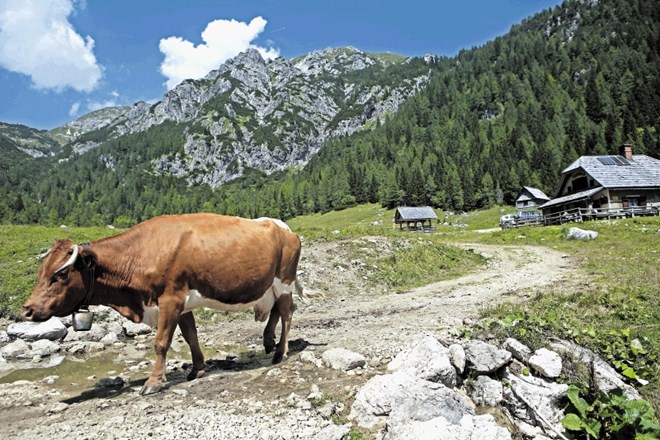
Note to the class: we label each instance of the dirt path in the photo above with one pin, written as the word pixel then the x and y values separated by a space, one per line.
pixel 384 321
pixel 253 399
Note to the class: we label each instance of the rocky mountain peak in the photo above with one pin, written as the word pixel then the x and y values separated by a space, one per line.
pixel 267 114
pixel 333 61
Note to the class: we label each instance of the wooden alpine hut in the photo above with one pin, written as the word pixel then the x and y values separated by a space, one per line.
pixel 415 219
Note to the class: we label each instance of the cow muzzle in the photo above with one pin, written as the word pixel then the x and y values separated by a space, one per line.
pixel 29 313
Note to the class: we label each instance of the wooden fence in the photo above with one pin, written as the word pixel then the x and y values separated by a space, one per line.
pixel 584 214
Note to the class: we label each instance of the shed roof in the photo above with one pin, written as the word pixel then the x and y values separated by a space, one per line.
pixel 536 193
pixel 405 213
pixel 617 172
pixel 572 197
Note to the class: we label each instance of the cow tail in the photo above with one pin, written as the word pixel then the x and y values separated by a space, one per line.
pixel 306 295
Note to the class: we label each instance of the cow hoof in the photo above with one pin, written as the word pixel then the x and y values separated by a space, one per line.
pixel 150 389
pixel 195 374
pixel 269 348
pixel 279 357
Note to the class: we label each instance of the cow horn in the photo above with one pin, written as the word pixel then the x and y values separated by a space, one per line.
pixel 71 260
pixel 44 255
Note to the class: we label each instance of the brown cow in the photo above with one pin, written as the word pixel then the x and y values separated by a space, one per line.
pixel 161 269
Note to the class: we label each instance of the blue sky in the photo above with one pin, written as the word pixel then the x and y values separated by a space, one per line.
pixel 60 59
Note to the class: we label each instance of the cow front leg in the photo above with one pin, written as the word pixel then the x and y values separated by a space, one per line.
pixel 169 311
pixel 286 307
pixel 269 331
pixel 189 332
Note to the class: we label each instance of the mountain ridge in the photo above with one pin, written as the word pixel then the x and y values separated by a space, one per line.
pixel 255 113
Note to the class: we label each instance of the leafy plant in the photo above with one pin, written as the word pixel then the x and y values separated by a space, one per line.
pixel 609 416
pixel 628 355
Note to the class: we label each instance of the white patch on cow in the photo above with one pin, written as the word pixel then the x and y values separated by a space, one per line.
pixel 279 223
pixel 262 306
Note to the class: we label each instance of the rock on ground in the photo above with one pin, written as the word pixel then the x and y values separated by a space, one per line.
pixel 546 362
pixel 487 391
pixel 581 234
pixel 18 349
pixel 605 377
pixel 406 398
pixel 133 329
pixel 52 329
pixel 519 350
pixel 457 357
pixel 470 427
pixel 342 359
pixel 528 397
pixel 485 358
pixel 44 347
pixel 425 358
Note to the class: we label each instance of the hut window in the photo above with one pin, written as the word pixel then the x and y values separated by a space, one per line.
pixel 580 183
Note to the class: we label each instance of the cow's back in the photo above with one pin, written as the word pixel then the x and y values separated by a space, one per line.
pixel 228 259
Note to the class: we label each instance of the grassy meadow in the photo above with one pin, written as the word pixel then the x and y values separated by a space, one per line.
pixel 19 265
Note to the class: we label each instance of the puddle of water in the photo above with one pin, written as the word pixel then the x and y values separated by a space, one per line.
pixel 78 375
pixel 72 372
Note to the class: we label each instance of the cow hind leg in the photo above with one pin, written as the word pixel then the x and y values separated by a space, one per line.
pixel 269 331
pixel 285 307
pixel 189 332
pixel 169 310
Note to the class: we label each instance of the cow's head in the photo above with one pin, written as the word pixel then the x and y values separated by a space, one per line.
pixel 60 288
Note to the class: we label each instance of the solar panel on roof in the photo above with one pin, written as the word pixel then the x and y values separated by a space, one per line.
pixel 613 160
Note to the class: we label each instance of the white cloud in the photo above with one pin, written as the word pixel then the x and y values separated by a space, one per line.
pixel 223 39
pixel 73 111
pixel 36 39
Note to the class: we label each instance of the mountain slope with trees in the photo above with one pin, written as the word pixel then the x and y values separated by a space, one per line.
pixel 578 79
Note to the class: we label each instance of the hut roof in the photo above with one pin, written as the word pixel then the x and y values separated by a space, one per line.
pixel 536 193
pixel 572 197
pixel 618 172
pixel 408 214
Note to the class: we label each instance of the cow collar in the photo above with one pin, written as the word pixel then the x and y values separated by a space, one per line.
pixel 88 266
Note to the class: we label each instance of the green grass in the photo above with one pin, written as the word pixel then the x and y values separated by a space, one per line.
pixel 473 220
pixel 358 221
pixel 419 260
pixel 19 247
pixel 351 222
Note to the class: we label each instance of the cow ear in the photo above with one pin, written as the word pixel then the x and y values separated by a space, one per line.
pixel 88 257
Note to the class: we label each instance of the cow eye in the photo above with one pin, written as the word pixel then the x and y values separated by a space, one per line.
pixel 60 275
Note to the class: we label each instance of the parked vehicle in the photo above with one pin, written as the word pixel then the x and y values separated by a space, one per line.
pixel 523 218
pixel 531 215
pixel 507 221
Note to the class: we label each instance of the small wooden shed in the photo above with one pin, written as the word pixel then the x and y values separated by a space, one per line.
pixel 530 198
pixel 417 218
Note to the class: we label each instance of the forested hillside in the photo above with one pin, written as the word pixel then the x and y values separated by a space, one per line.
pixel 579 79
